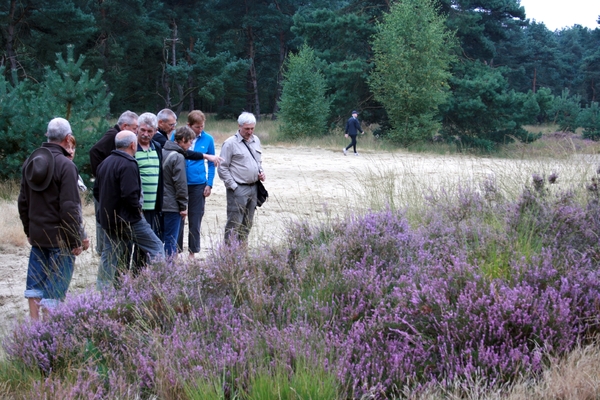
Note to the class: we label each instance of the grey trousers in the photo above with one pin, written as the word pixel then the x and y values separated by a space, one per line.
pixel 241 205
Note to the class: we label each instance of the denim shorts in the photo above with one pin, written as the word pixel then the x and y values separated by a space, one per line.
pixel 49 274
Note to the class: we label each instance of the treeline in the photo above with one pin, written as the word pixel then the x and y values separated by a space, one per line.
pixel 224 56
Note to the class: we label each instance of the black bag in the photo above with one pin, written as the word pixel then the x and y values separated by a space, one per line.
pixel 261 194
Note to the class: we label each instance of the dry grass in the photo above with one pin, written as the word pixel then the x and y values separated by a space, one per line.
pixel 574 377
pixel 10 225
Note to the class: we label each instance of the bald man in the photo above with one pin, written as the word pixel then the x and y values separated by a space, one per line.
pixel 118 191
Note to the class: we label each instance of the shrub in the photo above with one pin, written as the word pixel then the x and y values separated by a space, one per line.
pixel 363 306
pixel 589 120
pixel 304 109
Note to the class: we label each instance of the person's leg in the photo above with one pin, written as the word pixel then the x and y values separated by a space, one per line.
pixel 139 256
pixel 248 214
pixel 236 211
pixel 195 213
pixel 147 241
pixel 350 145
pixel 112 254
pixel 61 262
pixel 99 231
pixel 353 144
pixel 172 221
pixel 36 275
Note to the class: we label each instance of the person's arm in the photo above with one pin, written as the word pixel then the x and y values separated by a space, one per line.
pixel 102 149
pixel 70 207
pixel 193 155
pixel 23 207
pixel 130 187
pixel 223 169
pixel 180 183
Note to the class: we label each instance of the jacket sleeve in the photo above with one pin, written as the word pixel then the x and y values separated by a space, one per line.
pixel 211 165
pixel 180 182
pixel 193 155
pixel 102 149
pixel 70 205
pixel 223 171
pixel 130 186
pixel 23 206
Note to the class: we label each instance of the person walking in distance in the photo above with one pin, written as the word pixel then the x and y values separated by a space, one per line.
pixel 352 129
pixel 50 210
pixel 240 169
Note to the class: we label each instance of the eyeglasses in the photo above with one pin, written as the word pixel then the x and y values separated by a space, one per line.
pixel 172 125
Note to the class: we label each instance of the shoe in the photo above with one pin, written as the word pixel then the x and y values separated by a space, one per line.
pixel 355 154
pixel 344 150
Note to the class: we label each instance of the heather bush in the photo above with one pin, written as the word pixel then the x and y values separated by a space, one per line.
pixel 477 289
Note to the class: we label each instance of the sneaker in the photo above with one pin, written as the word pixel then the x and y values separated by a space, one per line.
pixel 355 154
pixel 344 150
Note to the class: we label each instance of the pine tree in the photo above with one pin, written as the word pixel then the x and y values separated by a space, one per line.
pixel 67 92
pixel 303 108
pixel 413 52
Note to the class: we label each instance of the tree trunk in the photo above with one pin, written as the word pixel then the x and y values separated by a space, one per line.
pixel 253 77
pixel 279 74
pixel 10 40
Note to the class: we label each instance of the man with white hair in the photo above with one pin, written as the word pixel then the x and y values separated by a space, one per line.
pixel 118 190
pixel 50 210
pixel 240 171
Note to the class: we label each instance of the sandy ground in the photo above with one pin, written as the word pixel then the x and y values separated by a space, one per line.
pixel 304 183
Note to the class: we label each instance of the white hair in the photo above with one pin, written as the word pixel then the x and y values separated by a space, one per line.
pixel 58 129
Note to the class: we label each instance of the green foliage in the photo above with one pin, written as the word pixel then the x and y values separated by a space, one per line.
pixel 589 120
pixel 219 75
pixel 544 98
pixel 305 383
pixel 303 108
pixel 483 112
pixel 565 111
pixel 412 58
pixel 66 92
pixel 340 33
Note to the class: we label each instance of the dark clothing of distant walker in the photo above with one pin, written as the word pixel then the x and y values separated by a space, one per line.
pixel 352 129
pixel 52 221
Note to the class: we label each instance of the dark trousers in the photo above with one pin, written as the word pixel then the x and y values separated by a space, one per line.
pixel 353 143
pixel 196 202
pixel 139 257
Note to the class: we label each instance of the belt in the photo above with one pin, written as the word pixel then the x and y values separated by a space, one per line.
pixel 247 184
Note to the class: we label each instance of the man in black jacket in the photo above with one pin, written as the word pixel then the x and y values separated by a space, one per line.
pixel 167 121
pixel 118 191
pixel 352 129
pixel 128 121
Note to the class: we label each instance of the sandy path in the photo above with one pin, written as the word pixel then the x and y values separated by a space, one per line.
pixel 310 184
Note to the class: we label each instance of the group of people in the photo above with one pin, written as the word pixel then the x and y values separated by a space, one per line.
pixel 148 178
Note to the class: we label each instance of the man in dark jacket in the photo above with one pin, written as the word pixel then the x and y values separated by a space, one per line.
pixel 352 129
pixel 118 191
pixel 167 121
pixel 128 121
pixel 50 209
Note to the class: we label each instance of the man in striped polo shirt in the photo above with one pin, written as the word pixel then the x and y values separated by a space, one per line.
pixel 149 158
